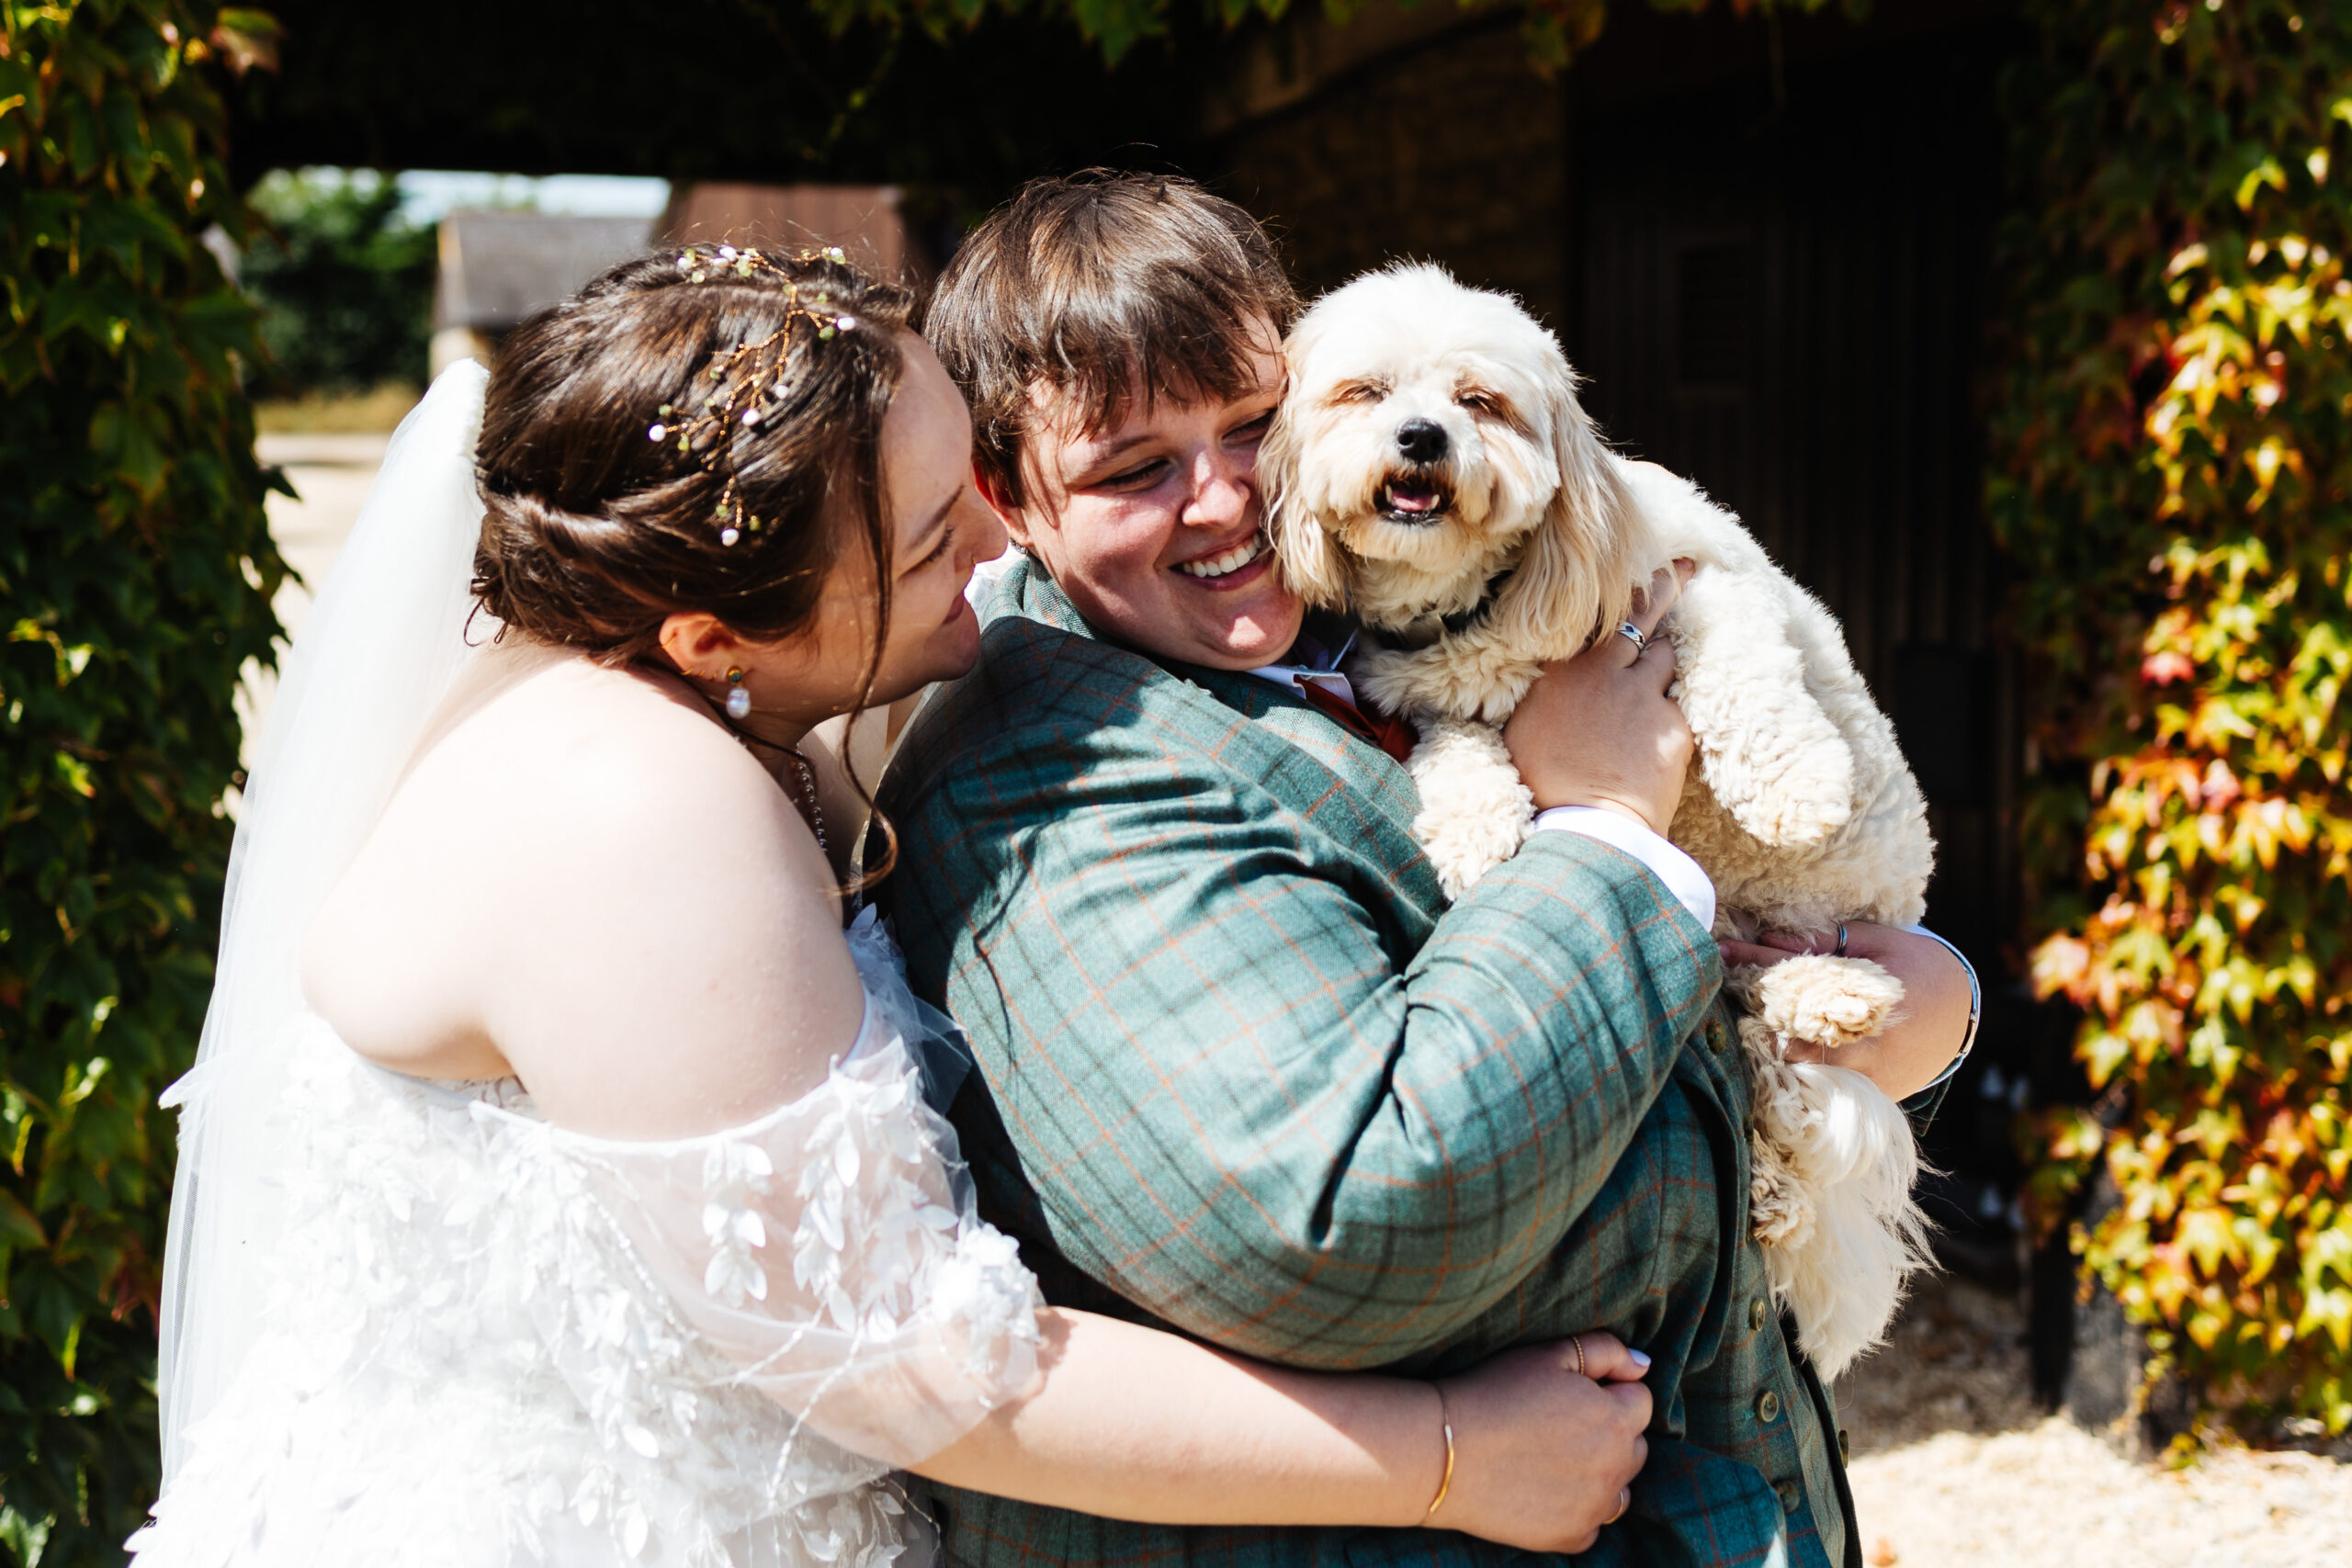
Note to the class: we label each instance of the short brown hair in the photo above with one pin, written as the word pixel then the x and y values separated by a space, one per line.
pixel 1102 285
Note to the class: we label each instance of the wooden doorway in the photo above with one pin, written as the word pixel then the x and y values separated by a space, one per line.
pixel 1777 282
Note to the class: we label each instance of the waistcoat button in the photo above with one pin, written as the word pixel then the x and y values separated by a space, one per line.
pixel 1845 1449
pixel 1756 1313
pixel 1790 1495
pixel 1767 1407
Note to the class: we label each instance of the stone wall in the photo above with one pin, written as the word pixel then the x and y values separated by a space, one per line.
pixel 1447 148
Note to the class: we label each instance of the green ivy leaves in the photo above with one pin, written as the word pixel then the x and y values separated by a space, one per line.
pixel 2173 438
pixel 135 574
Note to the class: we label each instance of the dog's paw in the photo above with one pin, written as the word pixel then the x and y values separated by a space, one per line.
pixel 1824 999
pixel 1807 801
pixel 1475 811
pixel 1465 845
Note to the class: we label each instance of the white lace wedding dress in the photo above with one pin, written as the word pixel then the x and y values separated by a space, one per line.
pixel 409 1323
pixel 488 1341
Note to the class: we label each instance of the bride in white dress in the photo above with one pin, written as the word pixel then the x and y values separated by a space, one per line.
pixel 558 1183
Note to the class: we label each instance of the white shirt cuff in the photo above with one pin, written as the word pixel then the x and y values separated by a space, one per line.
pixel 1678 871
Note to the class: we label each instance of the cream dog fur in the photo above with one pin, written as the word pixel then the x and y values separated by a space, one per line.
pixel 1433 471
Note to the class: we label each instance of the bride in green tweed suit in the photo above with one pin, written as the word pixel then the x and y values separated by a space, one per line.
pixel 1243 1071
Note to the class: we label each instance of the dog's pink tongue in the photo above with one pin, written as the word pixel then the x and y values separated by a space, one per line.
pixel 1404 498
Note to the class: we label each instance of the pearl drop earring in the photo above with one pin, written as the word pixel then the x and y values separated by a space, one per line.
pixel 739 701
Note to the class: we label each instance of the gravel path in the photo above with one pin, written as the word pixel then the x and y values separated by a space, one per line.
pixel 1955 1467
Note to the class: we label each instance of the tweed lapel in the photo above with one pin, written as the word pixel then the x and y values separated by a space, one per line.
pixel 1344 785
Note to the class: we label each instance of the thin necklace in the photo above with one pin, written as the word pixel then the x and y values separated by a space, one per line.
pixel 807 803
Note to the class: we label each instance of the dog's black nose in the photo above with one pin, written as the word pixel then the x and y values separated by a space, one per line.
pixel 1422 440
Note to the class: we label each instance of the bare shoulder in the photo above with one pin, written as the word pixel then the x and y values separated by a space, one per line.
pixel 591 884
pixel 575 774
pixel 617 766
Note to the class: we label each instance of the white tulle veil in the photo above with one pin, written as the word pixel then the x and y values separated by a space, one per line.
pixel 373 660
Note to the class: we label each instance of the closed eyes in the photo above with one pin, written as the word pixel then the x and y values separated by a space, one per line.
pixel 1142 476
pixel 939 550
pixel 1491 405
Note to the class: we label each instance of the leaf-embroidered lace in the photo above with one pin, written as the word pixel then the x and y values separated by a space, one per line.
pixel 491 1341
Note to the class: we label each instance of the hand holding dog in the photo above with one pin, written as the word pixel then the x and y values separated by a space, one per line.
pixel 1544 1454
pixel 1904 1057
pixel 1599 730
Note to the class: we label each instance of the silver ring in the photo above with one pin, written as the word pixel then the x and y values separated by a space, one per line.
pixel 1839 951
pixel 1633 634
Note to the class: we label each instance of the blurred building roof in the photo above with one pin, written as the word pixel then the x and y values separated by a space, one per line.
pixel 498 267
pixel 865 221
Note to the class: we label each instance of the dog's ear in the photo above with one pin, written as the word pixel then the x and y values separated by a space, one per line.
pixel 1309 557
pixel 1587 554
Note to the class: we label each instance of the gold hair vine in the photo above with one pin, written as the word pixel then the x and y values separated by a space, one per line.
pixel 748 377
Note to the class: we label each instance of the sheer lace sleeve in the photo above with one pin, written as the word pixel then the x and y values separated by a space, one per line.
pixel 491 1342
pixel 826 1256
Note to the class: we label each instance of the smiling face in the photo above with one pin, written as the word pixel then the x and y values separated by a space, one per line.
pixel 1419 437
pixel 1154 527
pixel 940 528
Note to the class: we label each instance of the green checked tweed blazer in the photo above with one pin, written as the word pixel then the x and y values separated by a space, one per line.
pixel 1243 1073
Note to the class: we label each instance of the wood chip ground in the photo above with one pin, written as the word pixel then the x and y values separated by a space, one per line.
pixel 1956 1467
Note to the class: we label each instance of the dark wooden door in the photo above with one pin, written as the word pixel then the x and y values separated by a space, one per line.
pixel 1782 294
pixel 1787 306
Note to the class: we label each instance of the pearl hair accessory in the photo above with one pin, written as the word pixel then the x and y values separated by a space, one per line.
pixel 739 701
pixel 749 377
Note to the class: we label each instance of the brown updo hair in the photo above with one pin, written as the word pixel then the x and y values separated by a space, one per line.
pixel 594 533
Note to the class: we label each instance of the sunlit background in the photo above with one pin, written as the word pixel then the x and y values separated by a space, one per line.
pixel 1769 248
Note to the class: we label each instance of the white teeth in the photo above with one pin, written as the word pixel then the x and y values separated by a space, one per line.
pixel 1233 560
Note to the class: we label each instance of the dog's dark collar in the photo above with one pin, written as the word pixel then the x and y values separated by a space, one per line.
pixel 1462 621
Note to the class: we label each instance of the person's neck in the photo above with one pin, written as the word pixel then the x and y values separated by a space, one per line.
pixel 1324 636
pixel 775 741
pixel 773 738
pixel 776 732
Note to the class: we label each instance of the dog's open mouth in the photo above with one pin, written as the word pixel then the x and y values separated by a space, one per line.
pixel 1413 499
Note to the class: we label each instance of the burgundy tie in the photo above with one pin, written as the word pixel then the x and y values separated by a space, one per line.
pixel 1391 733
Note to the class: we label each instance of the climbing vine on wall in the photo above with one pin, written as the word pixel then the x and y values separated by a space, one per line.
pixel 2173 447
pixel 135 575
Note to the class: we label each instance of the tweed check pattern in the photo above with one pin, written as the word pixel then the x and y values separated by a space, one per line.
pixel 1244 1073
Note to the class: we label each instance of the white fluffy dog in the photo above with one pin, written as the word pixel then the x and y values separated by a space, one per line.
pixel 1432 473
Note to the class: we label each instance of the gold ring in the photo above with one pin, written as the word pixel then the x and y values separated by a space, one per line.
pixel 1624 1501
pixel 1577 1340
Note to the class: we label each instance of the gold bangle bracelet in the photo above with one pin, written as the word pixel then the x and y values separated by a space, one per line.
pixel 1445 1482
